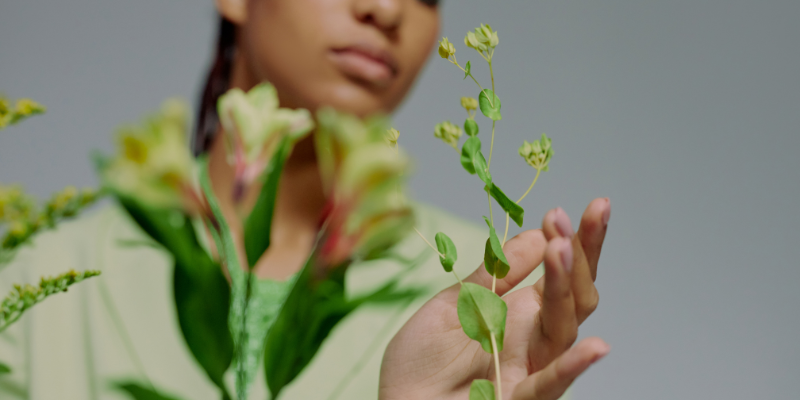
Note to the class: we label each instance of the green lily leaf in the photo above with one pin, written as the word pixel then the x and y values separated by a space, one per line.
pixel 255 303
pixel 490 105
pixel 311 311
pixel 259 222
pixel 494 259
pixel 471 127
pixel 4 369
pixel 481 389
pixel 481 313
pixel 467 70
pixel 201 292
pixel 481 168
pixel 448 248
pixel 139 392
pixel 468 150
pixel 514 210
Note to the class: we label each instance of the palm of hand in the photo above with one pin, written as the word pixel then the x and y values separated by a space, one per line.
pixel 432 358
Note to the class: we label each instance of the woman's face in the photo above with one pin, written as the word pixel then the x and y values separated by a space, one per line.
pixel 360 56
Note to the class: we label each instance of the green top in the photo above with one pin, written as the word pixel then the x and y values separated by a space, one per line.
pixel 122 326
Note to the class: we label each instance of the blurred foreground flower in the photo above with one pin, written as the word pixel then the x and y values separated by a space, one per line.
pixel 153 163
pixel 367 212
pixel 254 125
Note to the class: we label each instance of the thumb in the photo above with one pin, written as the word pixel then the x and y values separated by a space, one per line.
pixel 552 381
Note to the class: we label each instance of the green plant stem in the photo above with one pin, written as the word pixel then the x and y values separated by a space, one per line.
pixel 496 366
pixel 505 236
pixel 491 73
pixel 373 347
pixel 437 252
pixel 429 243
pixel 491 146
pixel 457 278
pixel 531 186
pixel 465 71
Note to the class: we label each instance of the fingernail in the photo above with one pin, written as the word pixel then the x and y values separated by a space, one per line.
pixel 607 212
pixel 601 354
pixel 563 224
pixel 566 255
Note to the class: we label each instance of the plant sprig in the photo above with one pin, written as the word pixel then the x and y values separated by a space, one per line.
pixel 481 311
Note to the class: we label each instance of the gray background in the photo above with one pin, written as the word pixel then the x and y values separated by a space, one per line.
pixel 684 112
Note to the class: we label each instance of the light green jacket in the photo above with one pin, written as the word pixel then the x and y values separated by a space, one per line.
pixel 122 325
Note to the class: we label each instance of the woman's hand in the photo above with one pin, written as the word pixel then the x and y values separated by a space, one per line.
pixel 432 358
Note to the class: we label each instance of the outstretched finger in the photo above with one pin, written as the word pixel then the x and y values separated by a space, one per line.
pixel 592 231
pixel 552 381
pixel 524 253
pixel 586 247
pixel 556 325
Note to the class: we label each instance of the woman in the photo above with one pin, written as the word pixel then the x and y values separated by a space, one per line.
pixel 360 56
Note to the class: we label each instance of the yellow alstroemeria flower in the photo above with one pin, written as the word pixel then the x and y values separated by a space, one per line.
pixel 367 211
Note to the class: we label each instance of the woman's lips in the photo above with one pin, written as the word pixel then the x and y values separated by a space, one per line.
pixel 365 63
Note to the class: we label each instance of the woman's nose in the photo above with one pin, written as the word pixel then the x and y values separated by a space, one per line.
pixel 386 15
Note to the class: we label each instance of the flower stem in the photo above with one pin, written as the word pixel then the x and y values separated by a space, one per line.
pixel 429 243
pixel 496 366
pixel 465 71
pixel 491 146
pixel 505 236
pixel 538 171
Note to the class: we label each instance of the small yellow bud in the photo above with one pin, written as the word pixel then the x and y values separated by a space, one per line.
pixel 446 49
pixel 448 132
pixel 391 136
pixel 538 153
pixel 26 107
pixel 469 103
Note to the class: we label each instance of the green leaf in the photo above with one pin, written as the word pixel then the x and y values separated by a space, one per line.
pixel 448 248
pixel 494 259
pixel 259 223
pixel 201 292
pixel 139 392
pixel 4 369
pixel 316 304
pixel 490 105
pixel 255 303
pixel 481 168
pixel 514 210
pixel 468 150
pixel 481 313
pixel 481 389
pixel 467 70
pixel 471 127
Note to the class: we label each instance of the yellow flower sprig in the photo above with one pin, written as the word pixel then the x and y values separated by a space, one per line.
pixel 23 297
pixel 19 211
pixel 22 109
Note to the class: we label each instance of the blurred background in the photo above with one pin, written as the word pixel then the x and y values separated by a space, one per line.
pixel 685 113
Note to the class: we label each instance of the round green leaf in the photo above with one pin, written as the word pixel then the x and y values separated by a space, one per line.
pixel 448 248
pixel 494 260
pixel 481 389
pixel 471 127
pixel 481 313
pixel 490 105
pixel 468 150
pixel 481 168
